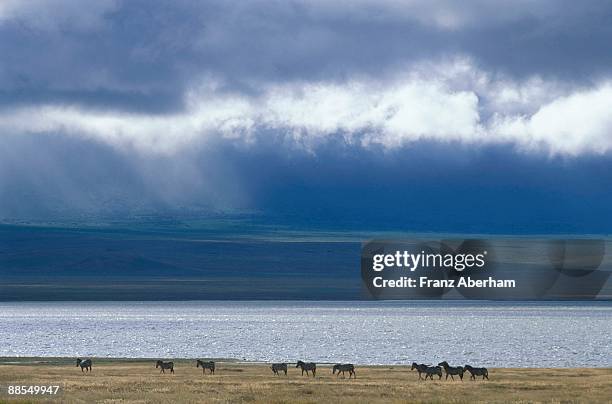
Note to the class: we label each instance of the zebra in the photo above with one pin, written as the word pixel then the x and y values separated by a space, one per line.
pixel 164 365
pixel 206 365
pixel 279 367
pixel 433 370
pixel 458 370
pixel 307 367
pixel 347 367
pixel 420 368
pixel 84 364
pixel 477 372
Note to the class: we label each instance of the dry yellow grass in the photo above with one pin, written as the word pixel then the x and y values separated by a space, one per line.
pixel 140 382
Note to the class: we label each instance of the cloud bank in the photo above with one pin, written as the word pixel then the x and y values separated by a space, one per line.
pixel 448 102
pixel 145 106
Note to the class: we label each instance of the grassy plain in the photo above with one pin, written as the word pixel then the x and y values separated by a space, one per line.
pixel 137 381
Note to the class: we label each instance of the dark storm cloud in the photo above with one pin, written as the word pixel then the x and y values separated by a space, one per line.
pixel 397 114
pixel 145 55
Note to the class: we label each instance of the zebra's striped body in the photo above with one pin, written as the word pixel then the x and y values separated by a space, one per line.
pixel 164 366
pixel 450 370
pixel 477 372
pixel 420 368
pixel 430 371
pixel 306 367
pixel 346 367
pixel 279 367
pixel 84 364
pixel 210 365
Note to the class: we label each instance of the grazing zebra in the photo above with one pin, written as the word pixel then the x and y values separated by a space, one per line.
pixel 307 367
pixel 164 366
pixel 433 370
pixel 84 364
pixel 420 368
pixel 458 370
pixel 477 372
pixel 347 367
pixel 206 365
pixel 279 367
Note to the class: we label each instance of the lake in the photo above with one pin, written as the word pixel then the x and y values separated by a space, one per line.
pixel 495 334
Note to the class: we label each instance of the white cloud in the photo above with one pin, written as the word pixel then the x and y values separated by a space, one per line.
pixel 455 102
pixel 571 125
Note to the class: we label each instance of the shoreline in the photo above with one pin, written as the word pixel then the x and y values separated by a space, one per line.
pixel 68 360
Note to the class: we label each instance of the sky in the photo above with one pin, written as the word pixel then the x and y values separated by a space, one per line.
pixel 476 116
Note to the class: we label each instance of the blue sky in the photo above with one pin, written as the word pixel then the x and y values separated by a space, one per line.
pixel 416 115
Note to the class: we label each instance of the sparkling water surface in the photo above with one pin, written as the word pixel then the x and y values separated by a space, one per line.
pixel 496 334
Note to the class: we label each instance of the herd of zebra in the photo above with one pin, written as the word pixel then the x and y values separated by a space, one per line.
pixel 85 365
pixel 451 371
pixel 311 369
